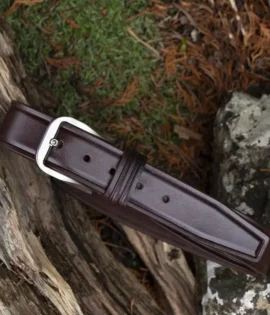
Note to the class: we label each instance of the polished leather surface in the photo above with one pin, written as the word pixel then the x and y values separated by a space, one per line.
pixel 137 194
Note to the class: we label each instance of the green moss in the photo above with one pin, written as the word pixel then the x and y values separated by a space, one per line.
pixel 107 52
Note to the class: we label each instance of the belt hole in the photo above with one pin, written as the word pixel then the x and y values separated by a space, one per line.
pixel 165 199
pixel 87 158
pixel 112 171
pixel 60 144
pixel 139 186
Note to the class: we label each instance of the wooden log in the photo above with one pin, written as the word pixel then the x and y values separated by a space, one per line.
pixel 54 261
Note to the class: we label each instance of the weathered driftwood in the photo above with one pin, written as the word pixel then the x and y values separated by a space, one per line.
pixel 241 180
pixel 169 268
pixel 54 262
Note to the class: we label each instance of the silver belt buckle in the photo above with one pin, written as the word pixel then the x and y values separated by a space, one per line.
pixel 49 140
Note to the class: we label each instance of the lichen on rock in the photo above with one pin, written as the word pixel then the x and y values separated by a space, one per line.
pixel 241 179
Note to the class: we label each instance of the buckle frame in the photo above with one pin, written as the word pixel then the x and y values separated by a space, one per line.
pixel 48 141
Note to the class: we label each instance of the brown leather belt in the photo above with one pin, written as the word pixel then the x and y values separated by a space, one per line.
pixel 121 185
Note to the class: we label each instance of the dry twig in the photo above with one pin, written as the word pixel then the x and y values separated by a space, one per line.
pixel 17 3
pixel 132 33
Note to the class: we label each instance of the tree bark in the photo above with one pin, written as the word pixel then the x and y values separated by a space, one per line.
pixel 54 261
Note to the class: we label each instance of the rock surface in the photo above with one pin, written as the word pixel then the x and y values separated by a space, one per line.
pixel 242 181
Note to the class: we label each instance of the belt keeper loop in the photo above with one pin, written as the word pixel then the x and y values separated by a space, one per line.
pixel 127 173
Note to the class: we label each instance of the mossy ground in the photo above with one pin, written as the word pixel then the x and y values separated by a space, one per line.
pixel 83 53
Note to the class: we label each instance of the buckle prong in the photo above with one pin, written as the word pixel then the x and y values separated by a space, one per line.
pixel 54 142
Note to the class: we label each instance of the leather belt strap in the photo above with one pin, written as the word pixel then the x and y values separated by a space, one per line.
pixel 127 189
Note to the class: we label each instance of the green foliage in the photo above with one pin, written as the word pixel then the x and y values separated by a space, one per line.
pixel 95 33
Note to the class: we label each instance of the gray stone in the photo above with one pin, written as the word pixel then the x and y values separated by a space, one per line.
pixel 241 180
